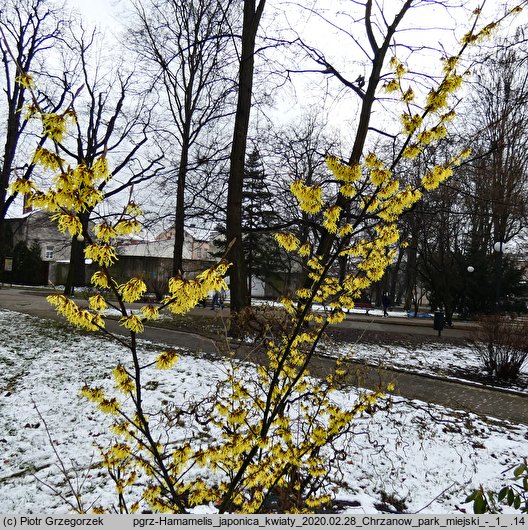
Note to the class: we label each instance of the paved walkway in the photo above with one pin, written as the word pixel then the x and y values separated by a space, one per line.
pixel 500 404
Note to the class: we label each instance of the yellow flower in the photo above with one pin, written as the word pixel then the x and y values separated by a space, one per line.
pixel 25 80
pixel 166 360
pixel 133 209
pixel 54 126
pixel 100 169
pixel 100 279
pixel 379 176
pixel 372 161
pixel 127 227
pixel 310 197
pixel 97 303
pixel 122 379
pixel 343 172
pixel 398 67
pixel 104 255
pixel 150 312
pixel 305 249
pixel 133 323
pixel 331 218
pixel 435 177
pixel 105 232
pixel 408 95
pixel 392 85
pixel 412 151
pixel 287 241
pixel 90 197
pixel 93 394
pixel 68 222
pixel 47 159
pixel 133 290
pixel 411 123
pixel 21 186
pixel 109 406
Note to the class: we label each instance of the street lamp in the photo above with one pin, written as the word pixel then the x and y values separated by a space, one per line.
pixel 465 306
pixel 499 247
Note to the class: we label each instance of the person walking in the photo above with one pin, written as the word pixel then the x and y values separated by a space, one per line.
pixel 215 302
pixel 385 300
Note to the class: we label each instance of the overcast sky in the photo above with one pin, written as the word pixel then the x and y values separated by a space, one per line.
pixel 103 13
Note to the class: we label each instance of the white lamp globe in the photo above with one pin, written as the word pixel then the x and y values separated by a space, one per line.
pixel 471 269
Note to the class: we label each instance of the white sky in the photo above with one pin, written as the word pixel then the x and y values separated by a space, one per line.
pixel 103 13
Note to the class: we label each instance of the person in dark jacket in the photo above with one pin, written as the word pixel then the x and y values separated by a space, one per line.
pixel 385 301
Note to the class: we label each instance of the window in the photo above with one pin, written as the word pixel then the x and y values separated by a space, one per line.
pixel 49 252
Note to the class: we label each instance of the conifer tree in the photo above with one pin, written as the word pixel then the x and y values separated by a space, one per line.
pixel 258 219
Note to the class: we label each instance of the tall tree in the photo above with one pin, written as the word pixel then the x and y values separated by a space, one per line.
pixel 258 219
pixel 28 30
pixel 113 124
pixel 188 43
pixel 252 14
pixel 498 122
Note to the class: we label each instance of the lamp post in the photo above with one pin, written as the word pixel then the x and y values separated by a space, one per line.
pixel 465 307
pixel 499 247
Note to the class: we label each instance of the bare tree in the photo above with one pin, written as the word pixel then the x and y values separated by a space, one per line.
pixel 114 122
pixel 498 122
pixel 252 14
pixel 28 30
pixel 188 43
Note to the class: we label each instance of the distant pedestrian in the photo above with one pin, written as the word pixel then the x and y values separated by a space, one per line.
pixel 215 302
pixel 385 301
pixel 221 298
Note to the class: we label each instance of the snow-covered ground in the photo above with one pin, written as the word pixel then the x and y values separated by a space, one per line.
pixel 427 457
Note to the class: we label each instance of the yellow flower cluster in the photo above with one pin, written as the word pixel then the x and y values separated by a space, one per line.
pixel 103 254
pixel 166 360
pixel 97 303
pixel 343 172
pixel 132 290
pixel 399 68
pixel 392 86
pixel 411 122
pixel 122 379
pixel 76 315
pixel 23 186
pixel 310 197
pixel 26 80
pixel 437 99
pixel 185 294
pixel 105 232
pixel 433 178
pixel 287 241
pixel 47 159
pixel 379 176
pixel 100 279
pixel 331 218
pixel 150 312
pixel 68 222
pixel 55 125
pixel 484 33
pixel 133 323
pixel 126 227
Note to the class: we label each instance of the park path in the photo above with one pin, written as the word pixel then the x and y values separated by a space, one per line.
pixel 486 401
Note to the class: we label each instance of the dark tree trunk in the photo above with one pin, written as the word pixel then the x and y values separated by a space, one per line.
pixel 77 267
pixel 179 221
pixel 238 271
